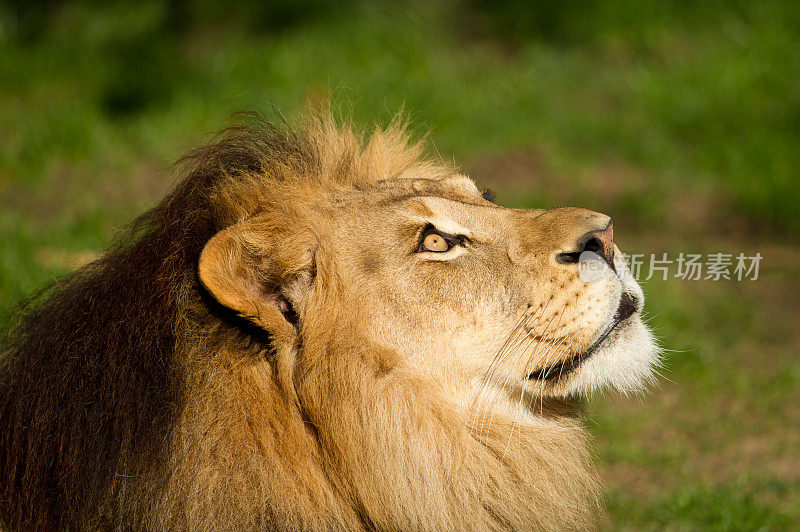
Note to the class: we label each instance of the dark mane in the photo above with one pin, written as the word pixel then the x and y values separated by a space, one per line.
pixel 89 386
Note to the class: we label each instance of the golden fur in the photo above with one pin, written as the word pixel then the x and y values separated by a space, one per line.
pixel 315 370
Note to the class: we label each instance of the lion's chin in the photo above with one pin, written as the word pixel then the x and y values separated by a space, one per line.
pixel 626 360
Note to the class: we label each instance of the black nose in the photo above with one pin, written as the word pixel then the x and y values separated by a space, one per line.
pixel 599 241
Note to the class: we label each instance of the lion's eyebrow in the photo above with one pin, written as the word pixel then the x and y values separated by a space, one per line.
pixel 442 223
pixel 447 225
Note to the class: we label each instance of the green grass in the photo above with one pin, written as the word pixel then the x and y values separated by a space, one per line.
pixel 688 93
pixel 693 507
pixel 651 111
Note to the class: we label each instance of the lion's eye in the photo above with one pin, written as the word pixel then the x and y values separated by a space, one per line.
pixel 434 242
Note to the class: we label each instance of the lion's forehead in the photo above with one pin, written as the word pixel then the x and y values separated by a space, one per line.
pixel 455 186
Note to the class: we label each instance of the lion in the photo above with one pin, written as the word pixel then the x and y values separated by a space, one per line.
pixel 321 331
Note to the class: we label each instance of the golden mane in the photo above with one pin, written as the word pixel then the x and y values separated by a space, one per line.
pixel 129 398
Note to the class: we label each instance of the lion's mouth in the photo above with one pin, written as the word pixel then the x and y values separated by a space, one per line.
pixel 627 306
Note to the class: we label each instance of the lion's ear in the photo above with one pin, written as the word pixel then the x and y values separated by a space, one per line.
pixel 235 269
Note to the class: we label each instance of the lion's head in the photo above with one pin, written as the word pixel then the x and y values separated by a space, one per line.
pixel 349 336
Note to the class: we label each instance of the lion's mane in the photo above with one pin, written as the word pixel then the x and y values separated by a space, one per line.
pixel 130 399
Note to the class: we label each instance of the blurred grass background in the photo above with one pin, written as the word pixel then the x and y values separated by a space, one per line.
pixel 680 119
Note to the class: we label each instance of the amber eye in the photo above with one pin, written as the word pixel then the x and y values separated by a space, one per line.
pixel 435 242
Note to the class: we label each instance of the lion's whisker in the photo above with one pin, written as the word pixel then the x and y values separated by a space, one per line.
pixel 509 347
pixel 499 390
pixel 551 349
pixel 554 348
pixel 522 354
pixel 505 383
pixel 488 374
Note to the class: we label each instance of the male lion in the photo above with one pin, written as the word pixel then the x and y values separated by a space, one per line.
pixel 315 333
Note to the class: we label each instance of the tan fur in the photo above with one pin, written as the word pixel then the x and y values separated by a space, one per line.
pixel 387 435
pixel 391 388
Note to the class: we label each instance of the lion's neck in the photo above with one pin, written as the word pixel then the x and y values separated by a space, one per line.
pixel 370 445
pixel 411 457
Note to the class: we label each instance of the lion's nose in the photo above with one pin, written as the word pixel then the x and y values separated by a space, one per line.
pixel 599 240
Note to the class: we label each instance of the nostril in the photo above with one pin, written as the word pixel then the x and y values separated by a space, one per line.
pixel 594 245
pixel 599 242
